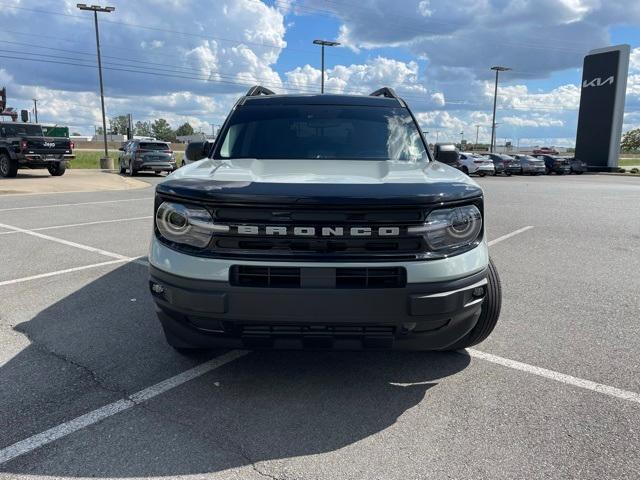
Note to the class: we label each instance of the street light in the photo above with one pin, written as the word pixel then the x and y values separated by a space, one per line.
pixel 95 9
pixel 324 43
pixel 461 139
pixel 497 69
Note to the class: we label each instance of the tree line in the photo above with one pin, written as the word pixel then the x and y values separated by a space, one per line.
pixel 159 128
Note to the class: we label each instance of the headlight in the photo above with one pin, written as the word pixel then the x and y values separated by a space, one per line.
pixel 187 225
pixel 449 229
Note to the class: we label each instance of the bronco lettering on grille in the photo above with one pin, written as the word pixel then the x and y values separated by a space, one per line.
pixel 318 231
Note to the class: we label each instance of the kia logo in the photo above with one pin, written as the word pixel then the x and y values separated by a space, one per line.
pixel 598 82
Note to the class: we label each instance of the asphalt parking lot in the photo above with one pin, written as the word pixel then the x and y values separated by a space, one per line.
pixel 90 389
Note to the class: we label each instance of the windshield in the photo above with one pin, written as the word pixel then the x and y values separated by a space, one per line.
pixel 21 129
pixel 322 132
pixel 154 146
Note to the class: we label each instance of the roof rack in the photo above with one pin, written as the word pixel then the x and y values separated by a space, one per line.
pixel 257 90
pixel 386 92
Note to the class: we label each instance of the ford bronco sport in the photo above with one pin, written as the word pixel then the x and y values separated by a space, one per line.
pixel 321 221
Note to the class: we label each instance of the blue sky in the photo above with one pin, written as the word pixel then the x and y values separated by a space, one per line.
pixel 188 60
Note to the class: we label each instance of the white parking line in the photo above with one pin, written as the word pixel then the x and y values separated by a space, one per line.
pixel 53 205
pixel 64 242
pixel 509 235
pixel 71 270
pixel 69 225
pixel 556 376
pixel 36 441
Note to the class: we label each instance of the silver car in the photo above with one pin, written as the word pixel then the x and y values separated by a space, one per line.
pixel 530 165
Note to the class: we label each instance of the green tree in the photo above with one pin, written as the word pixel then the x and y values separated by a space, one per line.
pixel 143 129
pixel 631 140
pixel 119 124
pixel 184 129
pixel 162 130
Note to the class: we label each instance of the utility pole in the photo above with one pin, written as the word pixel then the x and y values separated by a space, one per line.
pixel 35 108
pixel 461 139
pixel 475 146
pixel 95 9
pixel 497 69
pixel 324 43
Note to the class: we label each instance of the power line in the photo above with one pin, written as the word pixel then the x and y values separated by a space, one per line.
pixel 174 74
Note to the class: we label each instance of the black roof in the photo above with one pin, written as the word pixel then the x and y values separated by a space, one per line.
pixel 322 99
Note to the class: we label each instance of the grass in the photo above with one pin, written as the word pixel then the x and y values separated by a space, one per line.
pixel 629 162
pixel 86 159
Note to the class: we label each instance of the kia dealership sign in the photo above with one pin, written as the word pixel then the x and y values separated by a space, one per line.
pixel 604 84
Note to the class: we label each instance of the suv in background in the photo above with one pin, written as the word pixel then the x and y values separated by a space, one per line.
pixel 530 165
pixel 138 155
pixel 476 163
pixel 559 165
pixel 321 221
pixel 23 145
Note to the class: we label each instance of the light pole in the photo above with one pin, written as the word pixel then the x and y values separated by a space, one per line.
pixel 95 9
pixel 461 139
pixel 497 69
pixel 35 108
pixel 475 146
pixel 324 43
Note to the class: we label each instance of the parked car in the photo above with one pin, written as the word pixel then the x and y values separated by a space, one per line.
pixel 504 163
pixel 552 163
pixel 282 246
pixel 474 163
pixel 138 155
pixel 545 151
pixel 530 165
pixel 577 166
pixel 447 153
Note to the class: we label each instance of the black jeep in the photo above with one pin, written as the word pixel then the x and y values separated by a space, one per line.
pixel 23 145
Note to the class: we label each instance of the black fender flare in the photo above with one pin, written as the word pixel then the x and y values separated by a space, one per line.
pixel 4 150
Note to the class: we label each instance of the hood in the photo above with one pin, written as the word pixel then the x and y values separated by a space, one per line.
pixel 319 181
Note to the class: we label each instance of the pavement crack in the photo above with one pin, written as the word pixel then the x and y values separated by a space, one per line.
pixel 95 378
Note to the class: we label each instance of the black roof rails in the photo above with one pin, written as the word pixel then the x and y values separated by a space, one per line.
pixel 386 92
pixel 258 90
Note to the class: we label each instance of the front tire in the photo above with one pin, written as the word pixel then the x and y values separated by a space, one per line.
pixel 488 315
pixel 57 170
pixel 8 167
pixel 132 171
pixel 465 170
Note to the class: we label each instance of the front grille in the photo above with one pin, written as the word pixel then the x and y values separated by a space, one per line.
pixel 317 330
pixel 261 245
pixel 317 277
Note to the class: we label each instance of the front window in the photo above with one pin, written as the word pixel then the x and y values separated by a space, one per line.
pixel 332 132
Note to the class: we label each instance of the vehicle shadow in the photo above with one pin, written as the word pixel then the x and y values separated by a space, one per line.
pixel 96 345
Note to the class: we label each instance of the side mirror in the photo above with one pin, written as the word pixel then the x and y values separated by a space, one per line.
pixel 447 156
pixel 197 151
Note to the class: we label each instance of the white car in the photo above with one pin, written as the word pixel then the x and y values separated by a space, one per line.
pixel 475 163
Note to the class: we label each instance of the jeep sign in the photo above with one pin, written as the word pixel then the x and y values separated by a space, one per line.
pixel 604 81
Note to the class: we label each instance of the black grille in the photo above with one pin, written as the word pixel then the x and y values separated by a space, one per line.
pixel 317 277
pixel 233 244
pixel 317 330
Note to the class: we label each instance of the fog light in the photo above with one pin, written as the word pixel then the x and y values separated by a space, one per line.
pixel 478 292
pixel 157 288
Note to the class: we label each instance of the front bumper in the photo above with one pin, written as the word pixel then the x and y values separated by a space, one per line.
pixel 425 316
